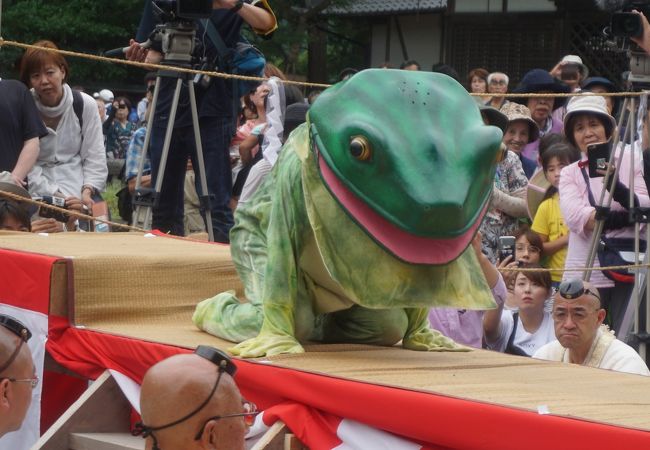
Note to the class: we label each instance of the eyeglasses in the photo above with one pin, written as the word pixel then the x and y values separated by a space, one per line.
pixel 122 106
pixel 530 248
pixel 33 381
pixel 20 330
pixel 249 417
pixel 500 82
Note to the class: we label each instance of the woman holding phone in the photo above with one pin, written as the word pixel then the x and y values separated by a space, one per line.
pixel 588 122
pixel 525 331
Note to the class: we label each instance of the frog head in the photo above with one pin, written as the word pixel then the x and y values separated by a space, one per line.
pixel 407 155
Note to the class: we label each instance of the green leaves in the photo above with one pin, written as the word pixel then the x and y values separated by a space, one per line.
pixel 85 26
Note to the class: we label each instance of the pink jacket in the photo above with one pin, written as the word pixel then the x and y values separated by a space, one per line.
pixel 576 210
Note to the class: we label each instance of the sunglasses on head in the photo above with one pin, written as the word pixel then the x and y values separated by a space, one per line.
pixel 20 330
pixel 572 289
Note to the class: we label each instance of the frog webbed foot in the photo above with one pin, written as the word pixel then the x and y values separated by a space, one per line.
pixel 267 345
pixel 427 340
pixel 226 317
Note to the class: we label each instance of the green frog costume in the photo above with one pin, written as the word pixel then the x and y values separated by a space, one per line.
pixel 364 222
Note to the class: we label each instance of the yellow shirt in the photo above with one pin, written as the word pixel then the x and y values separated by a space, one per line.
pixel 550 223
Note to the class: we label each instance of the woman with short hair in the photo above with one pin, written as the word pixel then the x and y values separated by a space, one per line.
pixel 526 330
pixel 587 122
pixel 72 160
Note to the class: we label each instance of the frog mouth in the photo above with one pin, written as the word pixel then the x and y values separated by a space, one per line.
pixel 403 245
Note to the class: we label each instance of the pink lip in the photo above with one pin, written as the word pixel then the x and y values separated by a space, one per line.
pixel 405 246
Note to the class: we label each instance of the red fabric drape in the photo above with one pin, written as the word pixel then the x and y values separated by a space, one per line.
pixel 435 420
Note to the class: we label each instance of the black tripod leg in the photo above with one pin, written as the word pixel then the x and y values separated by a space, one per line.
pixel 204 196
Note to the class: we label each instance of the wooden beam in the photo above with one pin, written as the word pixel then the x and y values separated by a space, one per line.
pixel 101 409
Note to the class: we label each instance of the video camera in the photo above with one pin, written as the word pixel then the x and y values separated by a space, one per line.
pixel 175 35
pixel 623 25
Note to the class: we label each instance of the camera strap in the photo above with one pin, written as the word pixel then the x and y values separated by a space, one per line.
pixel 224 56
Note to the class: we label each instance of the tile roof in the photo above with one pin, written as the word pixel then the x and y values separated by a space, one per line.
pixel 377 7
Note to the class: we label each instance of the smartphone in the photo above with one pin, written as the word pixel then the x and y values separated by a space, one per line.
pixel 570 72
pixel 598 155
pixel 506 247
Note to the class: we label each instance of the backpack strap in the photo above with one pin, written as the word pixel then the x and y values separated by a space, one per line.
pixel 78 108
pixel 511 348
pixel 511 339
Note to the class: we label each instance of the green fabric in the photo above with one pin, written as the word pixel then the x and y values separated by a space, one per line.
pixel 305 264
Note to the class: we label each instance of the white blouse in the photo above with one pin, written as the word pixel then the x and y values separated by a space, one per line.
pixel 70 158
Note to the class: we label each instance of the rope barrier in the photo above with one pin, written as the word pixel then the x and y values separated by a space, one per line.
pixel 569 94
pixel 151 66
pixel 69 212
pixel 79 215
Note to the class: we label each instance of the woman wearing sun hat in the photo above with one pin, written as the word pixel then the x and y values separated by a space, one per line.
pixel 521 131
pixel 508 202
pixel 586 122
pixel 540 81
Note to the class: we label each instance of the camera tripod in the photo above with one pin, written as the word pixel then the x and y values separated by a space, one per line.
pixel 629 329
pixel 178 45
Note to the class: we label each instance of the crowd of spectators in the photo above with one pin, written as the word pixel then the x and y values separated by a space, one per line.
pixel 542 194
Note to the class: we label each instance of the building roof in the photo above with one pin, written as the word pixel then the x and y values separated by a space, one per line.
pixel 381 7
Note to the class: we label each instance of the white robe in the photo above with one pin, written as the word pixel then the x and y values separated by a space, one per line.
pixel 606 352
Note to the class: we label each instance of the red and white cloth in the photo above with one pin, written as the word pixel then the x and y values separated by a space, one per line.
pixel 324 412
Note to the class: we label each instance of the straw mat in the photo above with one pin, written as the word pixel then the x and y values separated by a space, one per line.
pixel 129 279
pixel 567 390
pixel 146 288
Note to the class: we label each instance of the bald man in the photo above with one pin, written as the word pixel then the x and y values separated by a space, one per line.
pixel 581 336
pixel 192 402
pixel 17 374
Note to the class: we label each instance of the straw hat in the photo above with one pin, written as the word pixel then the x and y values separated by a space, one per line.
pixel 537 187
pixel 494 117
pixel 516 111
pixel 7 184
pixel 590 104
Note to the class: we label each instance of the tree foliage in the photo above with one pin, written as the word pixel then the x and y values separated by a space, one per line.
pixel 87 26
pixel 92 26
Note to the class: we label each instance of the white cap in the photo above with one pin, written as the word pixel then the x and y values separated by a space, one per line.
pixel 588 104
pixel 106 95
pixel 575 59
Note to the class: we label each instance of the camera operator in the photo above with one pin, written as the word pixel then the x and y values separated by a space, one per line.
pixel 215 110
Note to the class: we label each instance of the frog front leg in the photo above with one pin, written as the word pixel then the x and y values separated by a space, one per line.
pixel 420 336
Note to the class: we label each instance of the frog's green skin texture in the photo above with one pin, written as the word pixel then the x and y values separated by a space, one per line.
pixel 311 272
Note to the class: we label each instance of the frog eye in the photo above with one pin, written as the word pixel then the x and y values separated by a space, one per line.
pixel 360 148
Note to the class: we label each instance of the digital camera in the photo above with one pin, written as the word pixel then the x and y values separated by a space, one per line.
pixel 48 213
